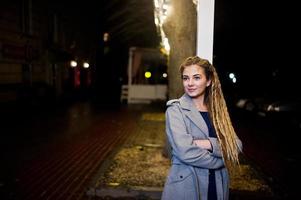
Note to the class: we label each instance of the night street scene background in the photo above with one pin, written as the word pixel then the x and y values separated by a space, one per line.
pixel 64 82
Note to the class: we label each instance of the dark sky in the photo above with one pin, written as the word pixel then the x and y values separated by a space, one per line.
pixel 259 40
pixel 254 30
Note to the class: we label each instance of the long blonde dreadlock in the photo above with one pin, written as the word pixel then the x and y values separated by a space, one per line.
pixel 218 111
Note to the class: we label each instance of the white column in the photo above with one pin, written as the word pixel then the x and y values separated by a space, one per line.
pixel 130 69
pixel 130 65
pixel 205 28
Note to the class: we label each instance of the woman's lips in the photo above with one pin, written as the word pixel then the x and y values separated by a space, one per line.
pixel 191 90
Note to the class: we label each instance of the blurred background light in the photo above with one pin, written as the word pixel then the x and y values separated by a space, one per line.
pixel 73 63
pixel 231 75
pixel 234 80
pixel 86 65
pixel 106 37
pixel 147 74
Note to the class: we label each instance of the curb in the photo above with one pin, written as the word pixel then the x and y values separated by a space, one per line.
pixel 153 193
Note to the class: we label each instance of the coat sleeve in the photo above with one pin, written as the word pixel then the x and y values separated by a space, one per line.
pixel 182 142
pixel 216 151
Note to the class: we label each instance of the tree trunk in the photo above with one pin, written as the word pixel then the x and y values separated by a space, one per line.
pixel 181 29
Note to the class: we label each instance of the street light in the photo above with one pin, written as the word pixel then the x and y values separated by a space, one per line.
pixel 73 63
pixel 86 65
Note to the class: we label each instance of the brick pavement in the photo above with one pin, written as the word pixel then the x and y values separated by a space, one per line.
pixel 117 179
pixel 64 163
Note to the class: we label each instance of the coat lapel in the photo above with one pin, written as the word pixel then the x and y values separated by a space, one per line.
pixel 193 114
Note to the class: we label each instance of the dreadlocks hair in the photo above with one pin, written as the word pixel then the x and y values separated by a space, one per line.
pixel 215 101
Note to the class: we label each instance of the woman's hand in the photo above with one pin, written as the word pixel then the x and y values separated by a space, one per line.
pixel 205 144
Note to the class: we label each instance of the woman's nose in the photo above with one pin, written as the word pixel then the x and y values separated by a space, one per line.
pixel 190 82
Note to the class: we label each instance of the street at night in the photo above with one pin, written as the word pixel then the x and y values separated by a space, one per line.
pixel 78 78
pixel 269 143
pixel 55 153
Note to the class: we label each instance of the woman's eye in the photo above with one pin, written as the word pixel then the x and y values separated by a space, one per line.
pixel 197 78
pixel 185 78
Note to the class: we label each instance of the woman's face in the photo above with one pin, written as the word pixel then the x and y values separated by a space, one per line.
pixel 195 81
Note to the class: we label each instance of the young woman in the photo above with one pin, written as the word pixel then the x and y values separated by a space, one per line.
pixel 202 139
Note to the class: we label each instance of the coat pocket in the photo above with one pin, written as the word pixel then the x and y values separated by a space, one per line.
pixel 179 185
pixel 179 176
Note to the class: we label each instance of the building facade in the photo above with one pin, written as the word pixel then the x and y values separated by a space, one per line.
pixel 37 42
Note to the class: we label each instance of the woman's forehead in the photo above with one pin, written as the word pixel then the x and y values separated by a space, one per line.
pixel 193 69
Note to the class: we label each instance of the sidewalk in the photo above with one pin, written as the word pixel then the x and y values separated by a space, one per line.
pixel 138 169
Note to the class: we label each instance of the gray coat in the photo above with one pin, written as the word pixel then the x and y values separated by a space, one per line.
pixel 188 177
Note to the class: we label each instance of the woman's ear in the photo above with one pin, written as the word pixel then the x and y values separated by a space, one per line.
pixel 208 83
